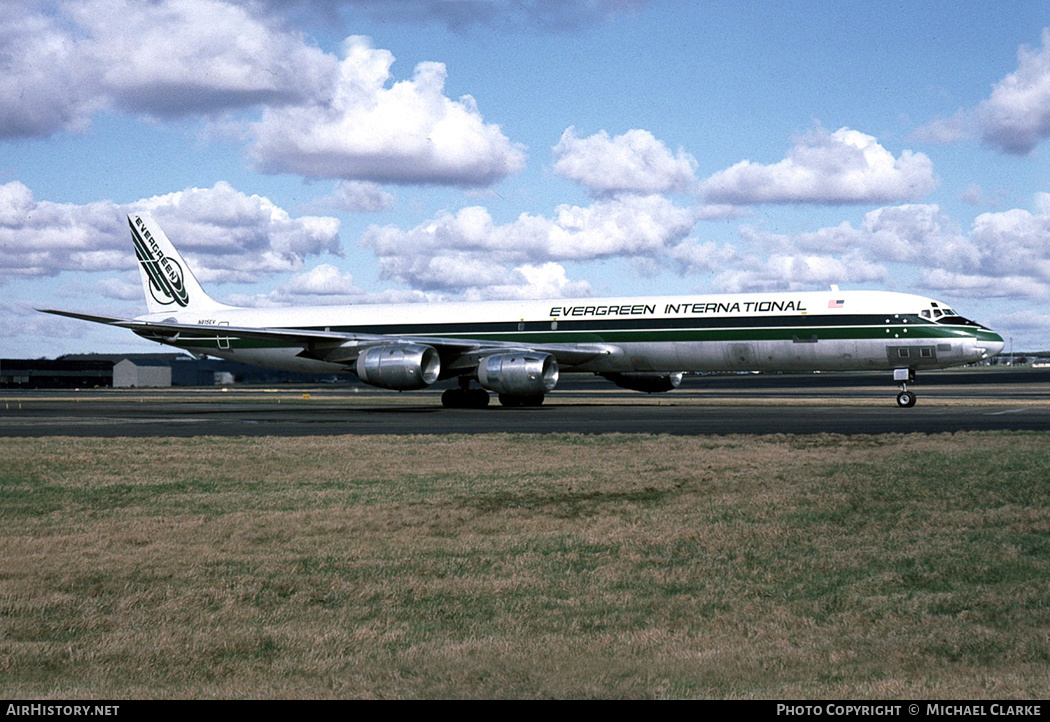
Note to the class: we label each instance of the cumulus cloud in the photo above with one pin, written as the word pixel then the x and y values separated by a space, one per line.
pixel 64 62
pixel 321 115
pixel 20 321
pixel 878 238
pixel 975 195
pixel 846 166
pixel 621 226
pixel 546 280
pixel 918 234
pixel 1028 322
pixel 41 238
pixel 635 162
pixel 960 126
pixel 798 272
pixel 180 57
pixel 225 234
pixel 694 257
pixel 408 132
pixel 45 86
pixel 473 277
pixel 468 251
pixel 355 197
pixel 1016 116
pixel 971 285
pixel 321 285
pixel 1004 254
pixel 1015 243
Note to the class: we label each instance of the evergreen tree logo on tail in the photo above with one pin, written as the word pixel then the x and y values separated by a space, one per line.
pixel 165 274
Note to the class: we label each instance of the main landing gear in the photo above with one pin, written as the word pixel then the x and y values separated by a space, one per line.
pixel 905 399
pixel 465 397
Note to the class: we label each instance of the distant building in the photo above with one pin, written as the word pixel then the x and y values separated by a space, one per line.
pixel 61 374
pixel 141 373
pixel 145 370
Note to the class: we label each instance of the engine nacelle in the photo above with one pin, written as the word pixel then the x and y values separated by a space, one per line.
pixel 399 366
pixel 648 381
pixel 519 374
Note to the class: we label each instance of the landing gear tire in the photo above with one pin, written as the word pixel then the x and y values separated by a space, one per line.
pixel 465 398
pixel 905 399
pixel 452 399
pixel 520 401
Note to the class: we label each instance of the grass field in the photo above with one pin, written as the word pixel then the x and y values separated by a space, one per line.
pixel 526 566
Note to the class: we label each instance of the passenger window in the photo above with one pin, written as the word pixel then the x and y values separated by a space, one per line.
pixel 902 353
pixel 925 352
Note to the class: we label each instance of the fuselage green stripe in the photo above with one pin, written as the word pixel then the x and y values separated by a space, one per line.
pixel 567 332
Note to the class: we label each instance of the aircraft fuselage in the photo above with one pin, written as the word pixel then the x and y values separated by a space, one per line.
pixel 805 331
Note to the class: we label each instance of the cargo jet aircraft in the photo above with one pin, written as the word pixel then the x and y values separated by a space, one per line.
pixel 518 348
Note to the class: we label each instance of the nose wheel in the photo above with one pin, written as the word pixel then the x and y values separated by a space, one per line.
pixel 905 399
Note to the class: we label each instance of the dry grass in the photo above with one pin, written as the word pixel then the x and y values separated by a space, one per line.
pixel 526 566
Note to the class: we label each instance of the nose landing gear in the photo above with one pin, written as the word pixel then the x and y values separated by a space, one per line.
pixel 905 399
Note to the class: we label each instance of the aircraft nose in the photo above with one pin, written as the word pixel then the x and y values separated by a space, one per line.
pixel 992 343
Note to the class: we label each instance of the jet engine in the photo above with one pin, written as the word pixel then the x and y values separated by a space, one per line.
pixel 519 374
pixel 403 367
pixel 647 381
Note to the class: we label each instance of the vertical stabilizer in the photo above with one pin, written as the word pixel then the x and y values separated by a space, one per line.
pixel 168 283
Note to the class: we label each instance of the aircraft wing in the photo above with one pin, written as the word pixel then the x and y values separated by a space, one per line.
pixel 82 316
pixel 458 354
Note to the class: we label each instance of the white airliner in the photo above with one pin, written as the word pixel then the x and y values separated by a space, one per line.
pixel 518 348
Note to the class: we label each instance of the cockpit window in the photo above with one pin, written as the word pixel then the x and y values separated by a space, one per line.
pixel 947 316
pixel 950 317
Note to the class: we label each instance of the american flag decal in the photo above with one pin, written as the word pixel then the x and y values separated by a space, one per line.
pixel 836 304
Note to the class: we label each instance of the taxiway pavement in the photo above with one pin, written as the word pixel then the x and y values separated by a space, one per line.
pixel 840 404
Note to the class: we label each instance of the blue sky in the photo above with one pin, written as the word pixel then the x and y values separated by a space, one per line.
pixel 358 152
